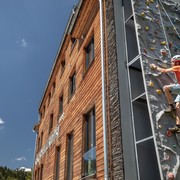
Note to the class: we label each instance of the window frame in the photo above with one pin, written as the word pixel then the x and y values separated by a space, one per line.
pixel 87 146
pixel 89 53
pixel 49 98
pixel 62 67
pixel 41 142
pixel 57 162
pixel 72 84
pixel 61 104
pixel 41 171
pixel 53 88
pixel 69 157
pixel 51 122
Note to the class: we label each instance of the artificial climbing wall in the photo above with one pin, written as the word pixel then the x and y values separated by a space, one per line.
pixel 158 31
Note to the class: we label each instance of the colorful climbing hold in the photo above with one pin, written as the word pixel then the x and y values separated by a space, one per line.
pixel 159 91
pixel 163 52
pixel 175 49
pixel 163 43
pixel 174 146
pixel 147 28
pixel 151 84
pixel 160 126
pixel 152 48
pixel 169 133
pixel 148 2
pixel 153 66
pixel 170 45
pixel 142 14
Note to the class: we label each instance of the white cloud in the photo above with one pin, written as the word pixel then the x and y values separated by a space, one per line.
pixel 23 43
pixel 21 159
pixel 1 122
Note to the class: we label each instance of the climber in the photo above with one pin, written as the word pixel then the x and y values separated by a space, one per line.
pixel 172 89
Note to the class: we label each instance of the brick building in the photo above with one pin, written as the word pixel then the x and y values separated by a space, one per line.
pixel 98 114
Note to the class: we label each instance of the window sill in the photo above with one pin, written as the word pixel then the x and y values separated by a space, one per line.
pixel 90 177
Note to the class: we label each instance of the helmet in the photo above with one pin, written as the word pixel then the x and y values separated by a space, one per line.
pixel 176 58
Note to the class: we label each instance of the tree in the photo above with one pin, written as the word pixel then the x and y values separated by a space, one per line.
pixel 9 174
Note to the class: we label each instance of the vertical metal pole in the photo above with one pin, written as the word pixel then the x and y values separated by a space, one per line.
pixel 103 93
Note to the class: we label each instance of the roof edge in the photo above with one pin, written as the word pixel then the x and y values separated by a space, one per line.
pixel 68 30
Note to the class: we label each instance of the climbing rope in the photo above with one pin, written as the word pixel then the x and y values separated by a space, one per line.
pixel 158 4
pixel 169 18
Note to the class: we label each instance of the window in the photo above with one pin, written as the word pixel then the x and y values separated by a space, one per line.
pixel 51 123
pixel 89 53
pixel 60 105
pixel 41 172
pixel 38 173
pixel 63 65
pixel 57 163
pixel 72 84
pixel 53 88
pixel 69 169
pixel 73 43
pixel 89 156
pixel 44 110
pixel 49 98
pixel 41 139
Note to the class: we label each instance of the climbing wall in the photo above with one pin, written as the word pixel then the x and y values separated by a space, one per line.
pixel 158 28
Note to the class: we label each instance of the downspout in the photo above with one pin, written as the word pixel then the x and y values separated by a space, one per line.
pixel 103 93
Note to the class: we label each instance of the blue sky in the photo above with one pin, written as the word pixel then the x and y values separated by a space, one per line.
pixel 30 35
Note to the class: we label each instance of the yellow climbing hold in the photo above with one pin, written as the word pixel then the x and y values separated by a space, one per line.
pixel 151 1
pixel 152 48
pixel 153 66
pixel 151 84
pixel 159 91
pixel 163 43
pixel 147 2
pixel 146 28
pixel 142 14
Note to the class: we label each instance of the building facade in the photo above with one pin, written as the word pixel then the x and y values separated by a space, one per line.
pixel 102 113
pixel 70 131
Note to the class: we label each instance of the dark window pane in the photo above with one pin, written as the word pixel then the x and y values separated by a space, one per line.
pixel 51 123
pixel 69 172
pixel 57 163
pixel 89 156
pixel 89 53
pixel 60 105
pixel 72 84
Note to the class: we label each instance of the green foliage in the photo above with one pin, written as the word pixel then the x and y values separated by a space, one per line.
pixel 9 174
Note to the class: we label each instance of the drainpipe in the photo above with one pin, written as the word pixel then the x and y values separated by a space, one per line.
pixel 103 93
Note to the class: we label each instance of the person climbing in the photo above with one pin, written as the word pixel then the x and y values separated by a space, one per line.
pixel 171 89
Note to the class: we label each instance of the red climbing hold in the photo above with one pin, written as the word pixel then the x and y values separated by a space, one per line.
pixel 169 133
